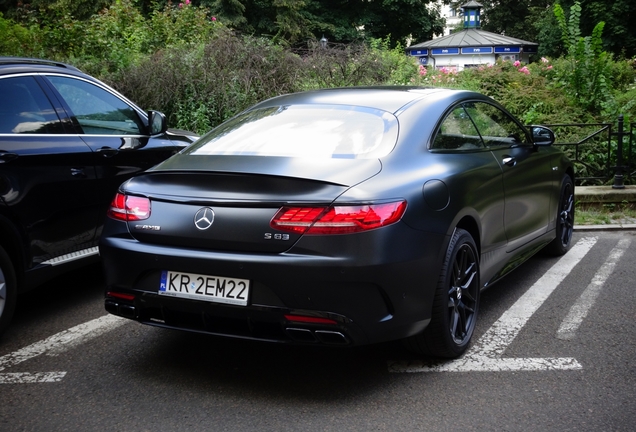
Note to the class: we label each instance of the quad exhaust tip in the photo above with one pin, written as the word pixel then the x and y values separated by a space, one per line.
pixel 327 337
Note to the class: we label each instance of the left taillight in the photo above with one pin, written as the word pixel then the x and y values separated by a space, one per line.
pixel 129 208
pixel 338 219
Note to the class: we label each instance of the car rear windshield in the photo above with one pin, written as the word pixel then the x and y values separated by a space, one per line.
pixel 312 131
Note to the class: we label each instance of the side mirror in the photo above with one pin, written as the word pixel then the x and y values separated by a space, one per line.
pixel 156 123
pixel 542 135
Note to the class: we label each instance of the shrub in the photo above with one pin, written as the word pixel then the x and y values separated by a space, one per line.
pixel 14 38
pixel 356 64
pixel 198 87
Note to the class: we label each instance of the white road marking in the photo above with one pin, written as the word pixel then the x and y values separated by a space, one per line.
pixel 579 310
pixel 476 363
pixel 54 345
pixel 486 354
pixel 28 378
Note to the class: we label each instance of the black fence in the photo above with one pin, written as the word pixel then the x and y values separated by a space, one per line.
pixel 602 153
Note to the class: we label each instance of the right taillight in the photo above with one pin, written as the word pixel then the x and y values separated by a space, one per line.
pixel 338 219
pixel 129 208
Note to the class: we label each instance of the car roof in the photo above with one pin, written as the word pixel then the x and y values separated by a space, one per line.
pixel 12 65
pixel 385 98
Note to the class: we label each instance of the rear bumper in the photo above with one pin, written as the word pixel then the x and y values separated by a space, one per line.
pixel 369 298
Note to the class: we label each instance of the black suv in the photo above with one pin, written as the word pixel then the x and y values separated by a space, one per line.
pixel 67 141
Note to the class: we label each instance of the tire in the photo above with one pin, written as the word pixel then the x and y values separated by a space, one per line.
pixel 8 290
pixel 564 220
pixel 456 302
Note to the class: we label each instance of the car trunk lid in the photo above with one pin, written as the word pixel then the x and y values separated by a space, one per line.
pixel 229 206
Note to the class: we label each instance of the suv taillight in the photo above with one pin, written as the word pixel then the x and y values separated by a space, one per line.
pixel 337 219
pixel 129 208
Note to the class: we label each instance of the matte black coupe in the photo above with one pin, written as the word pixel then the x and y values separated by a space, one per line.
pixel 339 217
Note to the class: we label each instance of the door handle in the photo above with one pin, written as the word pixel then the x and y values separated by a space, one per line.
pixel 510 161
pixel 78 172
pixel 107 151
pixel 6 156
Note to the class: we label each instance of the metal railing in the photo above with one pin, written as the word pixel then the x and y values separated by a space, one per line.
pixel 601 156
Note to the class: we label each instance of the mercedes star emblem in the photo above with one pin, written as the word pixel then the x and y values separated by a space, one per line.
pixel 203 218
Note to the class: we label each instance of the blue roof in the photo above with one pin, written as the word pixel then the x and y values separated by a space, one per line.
pixel 472 38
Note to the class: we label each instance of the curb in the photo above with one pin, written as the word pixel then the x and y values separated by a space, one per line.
pixel 614 227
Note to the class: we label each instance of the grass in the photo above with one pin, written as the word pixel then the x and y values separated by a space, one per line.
pixel 604 214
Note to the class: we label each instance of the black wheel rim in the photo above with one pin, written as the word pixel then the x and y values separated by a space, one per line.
pixel 566 216
pixel 463 294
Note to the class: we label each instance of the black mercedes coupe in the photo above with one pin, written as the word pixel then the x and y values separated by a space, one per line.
pixel 339 217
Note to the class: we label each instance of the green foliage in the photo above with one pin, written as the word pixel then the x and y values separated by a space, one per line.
pixel 619 35
pixel 113 39
pixel 511 17
pixel 199 86
pixel 349 65
pixel 295 21
pixel 402 69
pixel 230 12
pixel 116 38
pixel 179 25
pixel 14 38
pixel 587 71
pixel 527 91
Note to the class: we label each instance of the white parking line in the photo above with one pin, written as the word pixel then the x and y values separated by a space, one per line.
pixel 579 310
pixel 486 354
pixel 29 378
pixel 54 345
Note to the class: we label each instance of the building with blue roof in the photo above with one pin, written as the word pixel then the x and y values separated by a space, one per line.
pixel 471 47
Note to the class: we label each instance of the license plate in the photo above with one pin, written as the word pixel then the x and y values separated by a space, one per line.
pixel 215 289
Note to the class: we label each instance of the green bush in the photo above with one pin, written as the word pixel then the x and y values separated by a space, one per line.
pixel 14 38
pixel 199 86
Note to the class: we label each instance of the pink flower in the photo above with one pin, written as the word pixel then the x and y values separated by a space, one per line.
pixel 180 5
pixel 213 18
pixel 524 70
pixel 517 63
pixel 187 2
pixel 549 67
pixel 422 70
pixel 544 60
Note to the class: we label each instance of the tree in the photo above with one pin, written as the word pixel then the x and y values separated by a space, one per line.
pixel 548 34
pixel 401 19
pixel 619 35
pixel 513 18
pixel 229 11
pixel 339 20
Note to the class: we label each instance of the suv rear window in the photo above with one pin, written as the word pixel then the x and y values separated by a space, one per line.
pixel 308 131
pixel 25 109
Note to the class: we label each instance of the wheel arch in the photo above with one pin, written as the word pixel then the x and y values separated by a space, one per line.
pixel 469 224
pixel 570 172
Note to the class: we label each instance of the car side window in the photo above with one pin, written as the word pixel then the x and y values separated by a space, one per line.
pixel 25 109
pixel 457 132
pixel 98 112
pixel 496 127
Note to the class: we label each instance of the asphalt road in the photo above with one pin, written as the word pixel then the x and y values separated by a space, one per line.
pixel 554 349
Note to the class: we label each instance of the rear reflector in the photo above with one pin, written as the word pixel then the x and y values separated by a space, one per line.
pixel 337 219
pixel 122 296
pixel 129 208
pixel 309 319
